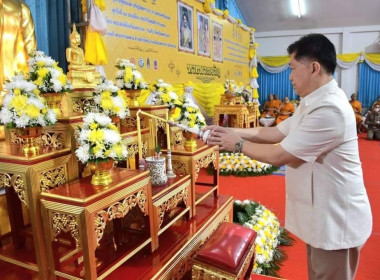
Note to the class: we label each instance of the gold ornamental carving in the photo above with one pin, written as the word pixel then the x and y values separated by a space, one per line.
pixel 16 182
pixel 52 178
pixel 171 203
pixel 179 167
pixel 64 222
pixel 80 105
pixel 204 162
pixel 53 140
pixel 134 149
pixel 178 138
pixel 130 122
pixel 118 210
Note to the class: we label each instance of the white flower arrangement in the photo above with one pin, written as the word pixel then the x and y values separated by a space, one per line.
pixel 233 88
pixel 127 77
pixel 23 106
pixel 99 140
pixel 163 94
pixel 111 100
pixel 189 114
pixel 239 164
pixel 46 74
pixel 270 235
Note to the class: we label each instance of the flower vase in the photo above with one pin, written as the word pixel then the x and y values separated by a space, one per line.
pixel 157 168
pixel 133 94
pixel 190 142
pixel 29 136
pixel 101 174
pixel 53 101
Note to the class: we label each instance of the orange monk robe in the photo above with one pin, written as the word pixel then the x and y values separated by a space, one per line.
pixel 357 107
pixel 285 111
pixel 270 108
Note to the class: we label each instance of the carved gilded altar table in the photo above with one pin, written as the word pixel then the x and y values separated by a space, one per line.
pixel 24 178
pixel 239 115
pixel 91 230
pixel 186 162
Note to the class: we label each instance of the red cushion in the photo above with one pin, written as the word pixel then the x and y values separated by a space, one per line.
pixel 227 247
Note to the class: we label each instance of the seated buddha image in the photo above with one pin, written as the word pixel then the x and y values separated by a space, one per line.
pixel 80 74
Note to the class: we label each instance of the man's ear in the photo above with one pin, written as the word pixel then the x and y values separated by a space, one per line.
pixel 316 67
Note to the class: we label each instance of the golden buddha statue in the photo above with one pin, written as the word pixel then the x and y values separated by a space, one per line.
pixel 17 39
pixel 80 74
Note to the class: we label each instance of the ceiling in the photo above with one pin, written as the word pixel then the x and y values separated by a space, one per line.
pixel 276 15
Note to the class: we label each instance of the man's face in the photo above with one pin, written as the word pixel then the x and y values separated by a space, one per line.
pixel 377 108
pixel 300 76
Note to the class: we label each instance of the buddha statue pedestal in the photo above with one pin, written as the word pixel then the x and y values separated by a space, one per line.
pixel 83 79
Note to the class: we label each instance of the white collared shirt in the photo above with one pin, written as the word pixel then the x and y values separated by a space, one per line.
pixel 326 202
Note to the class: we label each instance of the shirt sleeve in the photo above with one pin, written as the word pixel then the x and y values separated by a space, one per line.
pixel 318 132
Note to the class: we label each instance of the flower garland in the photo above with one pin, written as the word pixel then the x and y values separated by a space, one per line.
pixel 127 77
pixel 23 106
pixel 46 74
pixel 270 235
pixel 111 100
pixel 239 164
pixel 99 140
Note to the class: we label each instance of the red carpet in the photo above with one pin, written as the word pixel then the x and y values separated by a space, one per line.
pixel 270 191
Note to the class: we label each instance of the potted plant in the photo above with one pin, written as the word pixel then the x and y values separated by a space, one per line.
pixel 99 145
pixel 24 109
pixel 49 78
pixel 129 79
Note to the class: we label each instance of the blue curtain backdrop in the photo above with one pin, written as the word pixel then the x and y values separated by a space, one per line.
pixel 274 83
pixel 369 85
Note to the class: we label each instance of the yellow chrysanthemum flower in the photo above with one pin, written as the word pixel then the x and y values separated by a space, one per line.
pixel 18 102
pixel 40 63
pixel 96 136
pixel 93 126
pixel 32 111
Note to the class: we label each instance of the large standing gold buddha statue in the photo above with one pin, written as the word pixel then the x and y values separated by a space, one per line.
pixel 80 74
pixel 17 38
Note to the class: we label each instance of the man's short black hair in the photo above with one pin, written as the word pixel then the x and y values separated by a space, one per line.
pixel 315 47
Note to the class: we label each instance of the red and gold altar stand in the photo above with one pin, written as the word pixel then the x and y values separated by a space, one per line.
pixel 91 230
pixel 178 244
pixel 191 162
pixel 24 178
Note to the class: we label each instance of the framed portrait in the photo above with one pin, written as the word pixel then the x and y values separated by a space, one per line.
pixel 217 41
pixel 185 28
pixel 203 25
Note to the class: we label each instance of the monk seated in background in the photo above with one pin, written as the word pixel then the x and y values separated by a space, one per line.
pixel 357 107
pixel 271 107
pixel 286 110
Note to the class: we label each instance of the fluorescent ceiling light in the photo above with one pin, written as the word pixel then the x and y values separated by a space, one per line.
pixel 297 7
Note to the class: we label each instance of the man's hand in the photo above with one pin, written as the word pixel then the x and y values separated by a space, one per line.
pixel 223 137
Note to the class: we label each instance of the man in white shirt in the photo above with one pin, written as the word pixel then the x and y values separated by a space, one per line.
pixel 326 202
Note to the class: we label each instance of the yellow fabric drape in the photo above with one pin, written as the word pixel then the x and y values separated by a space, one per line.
pixel 373 57
pixel 348 57
pixel 101 4
pixel 206 95
pixel 96 50
pixel 275 61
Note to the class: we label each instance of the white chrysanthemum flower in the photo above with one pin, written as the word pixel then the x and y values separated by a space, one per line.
pixel 111 136
pixel 102 119
pixel 5 115
pixel 82 153
pixel 51 116
pixel 7 98
pixel 83 135
pixel 22 121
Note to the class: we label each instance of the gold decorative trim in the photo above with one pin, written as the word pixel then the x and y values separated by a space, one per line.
pixel 53 139
pixel 64 222
pixel 179 167
pixel 183 258
pixel 204 162
pixel 118 210
pixel 17 182
pixel 178 138
pixel 52 178
pixel 171 203
pixel 22 264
